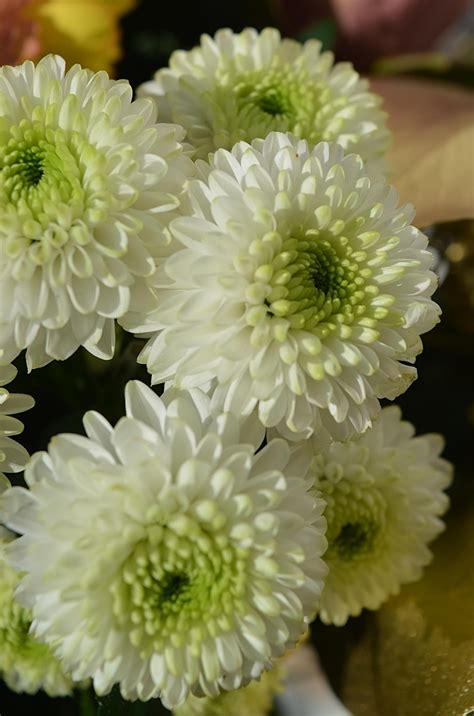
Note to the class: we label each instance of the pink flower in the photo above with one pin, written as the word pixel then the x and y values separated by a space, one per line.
pixel 369 29
pixel 296 15
pixel 18 34
pixel 390 27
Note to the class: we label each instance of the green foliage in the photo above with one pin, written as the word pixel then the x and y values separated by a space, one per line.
pixel 325 31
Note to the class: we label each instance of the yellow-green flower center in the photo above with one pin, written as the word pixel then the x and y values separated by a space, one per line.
pixel 273 102
pixel 317 282
pixel 283 98
pixel 53 186
pixel 27 166
pixel 171 590
pixel 271 94
pixel 355 538
pixel 25 663
pixel 15 623
pixel 176 584
pixel 38 167
pixel 356 516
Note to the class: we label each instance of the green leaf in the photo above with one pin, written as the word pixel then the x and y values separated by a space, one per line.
pixel 324 31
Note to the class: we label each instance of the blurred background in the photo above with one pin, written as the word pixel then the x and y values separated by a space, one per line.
pixel 415 657
pixel 362 31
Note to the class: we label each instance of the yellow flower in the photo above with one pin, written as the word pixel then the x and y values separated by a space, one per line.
pixel 83 31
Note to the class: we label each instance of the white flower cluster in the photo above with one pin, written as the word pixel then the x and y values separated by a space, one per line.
pixel 282 293
pixel 205 561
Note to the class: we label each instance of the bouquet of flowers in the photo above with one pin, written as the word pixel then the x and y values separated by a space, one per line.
pixel 233 229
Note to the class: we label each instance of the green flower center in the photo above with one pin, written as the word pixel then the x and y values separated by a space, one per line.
pixel 284 98
pixel 356 517
pixel 171 589
pixel 317 282
pixel 355 538
pixel 321 268
pixel 273 102
pixel 37 167
pixel 14 624
pixel 174 585
pixel 53 188
pixel 24 661
pixel 269 94
pixel 29 166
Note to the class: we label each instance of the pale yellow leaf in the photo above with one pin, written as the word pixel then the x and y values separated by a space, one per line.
pixel 432 156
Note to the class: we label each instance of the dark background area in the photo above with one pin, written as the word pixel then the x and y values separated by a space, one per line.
pixel 155 29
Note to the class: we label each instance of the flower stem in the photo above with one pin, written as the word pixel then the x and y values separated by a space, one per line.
pixel 87 703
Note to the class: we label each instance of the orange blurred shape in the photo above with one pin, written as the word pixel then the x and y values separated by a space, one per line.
pixel 18 33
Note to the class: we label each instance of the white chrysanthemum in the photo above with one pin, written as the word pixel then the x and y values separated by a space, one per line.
pixel 164 554
pixel 296 284
pixel 26 665
pixel 87 180
pixel 242 86
pixel 13 456
pixel 384 495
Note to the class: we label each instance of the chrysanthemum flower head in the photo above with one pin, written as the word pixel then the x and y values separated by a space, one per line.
pixel 86 178
pixel 296 285
pixel 163 554
pixel 385 497
pixel 26 665
pixel 241 86
pixel 13 456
